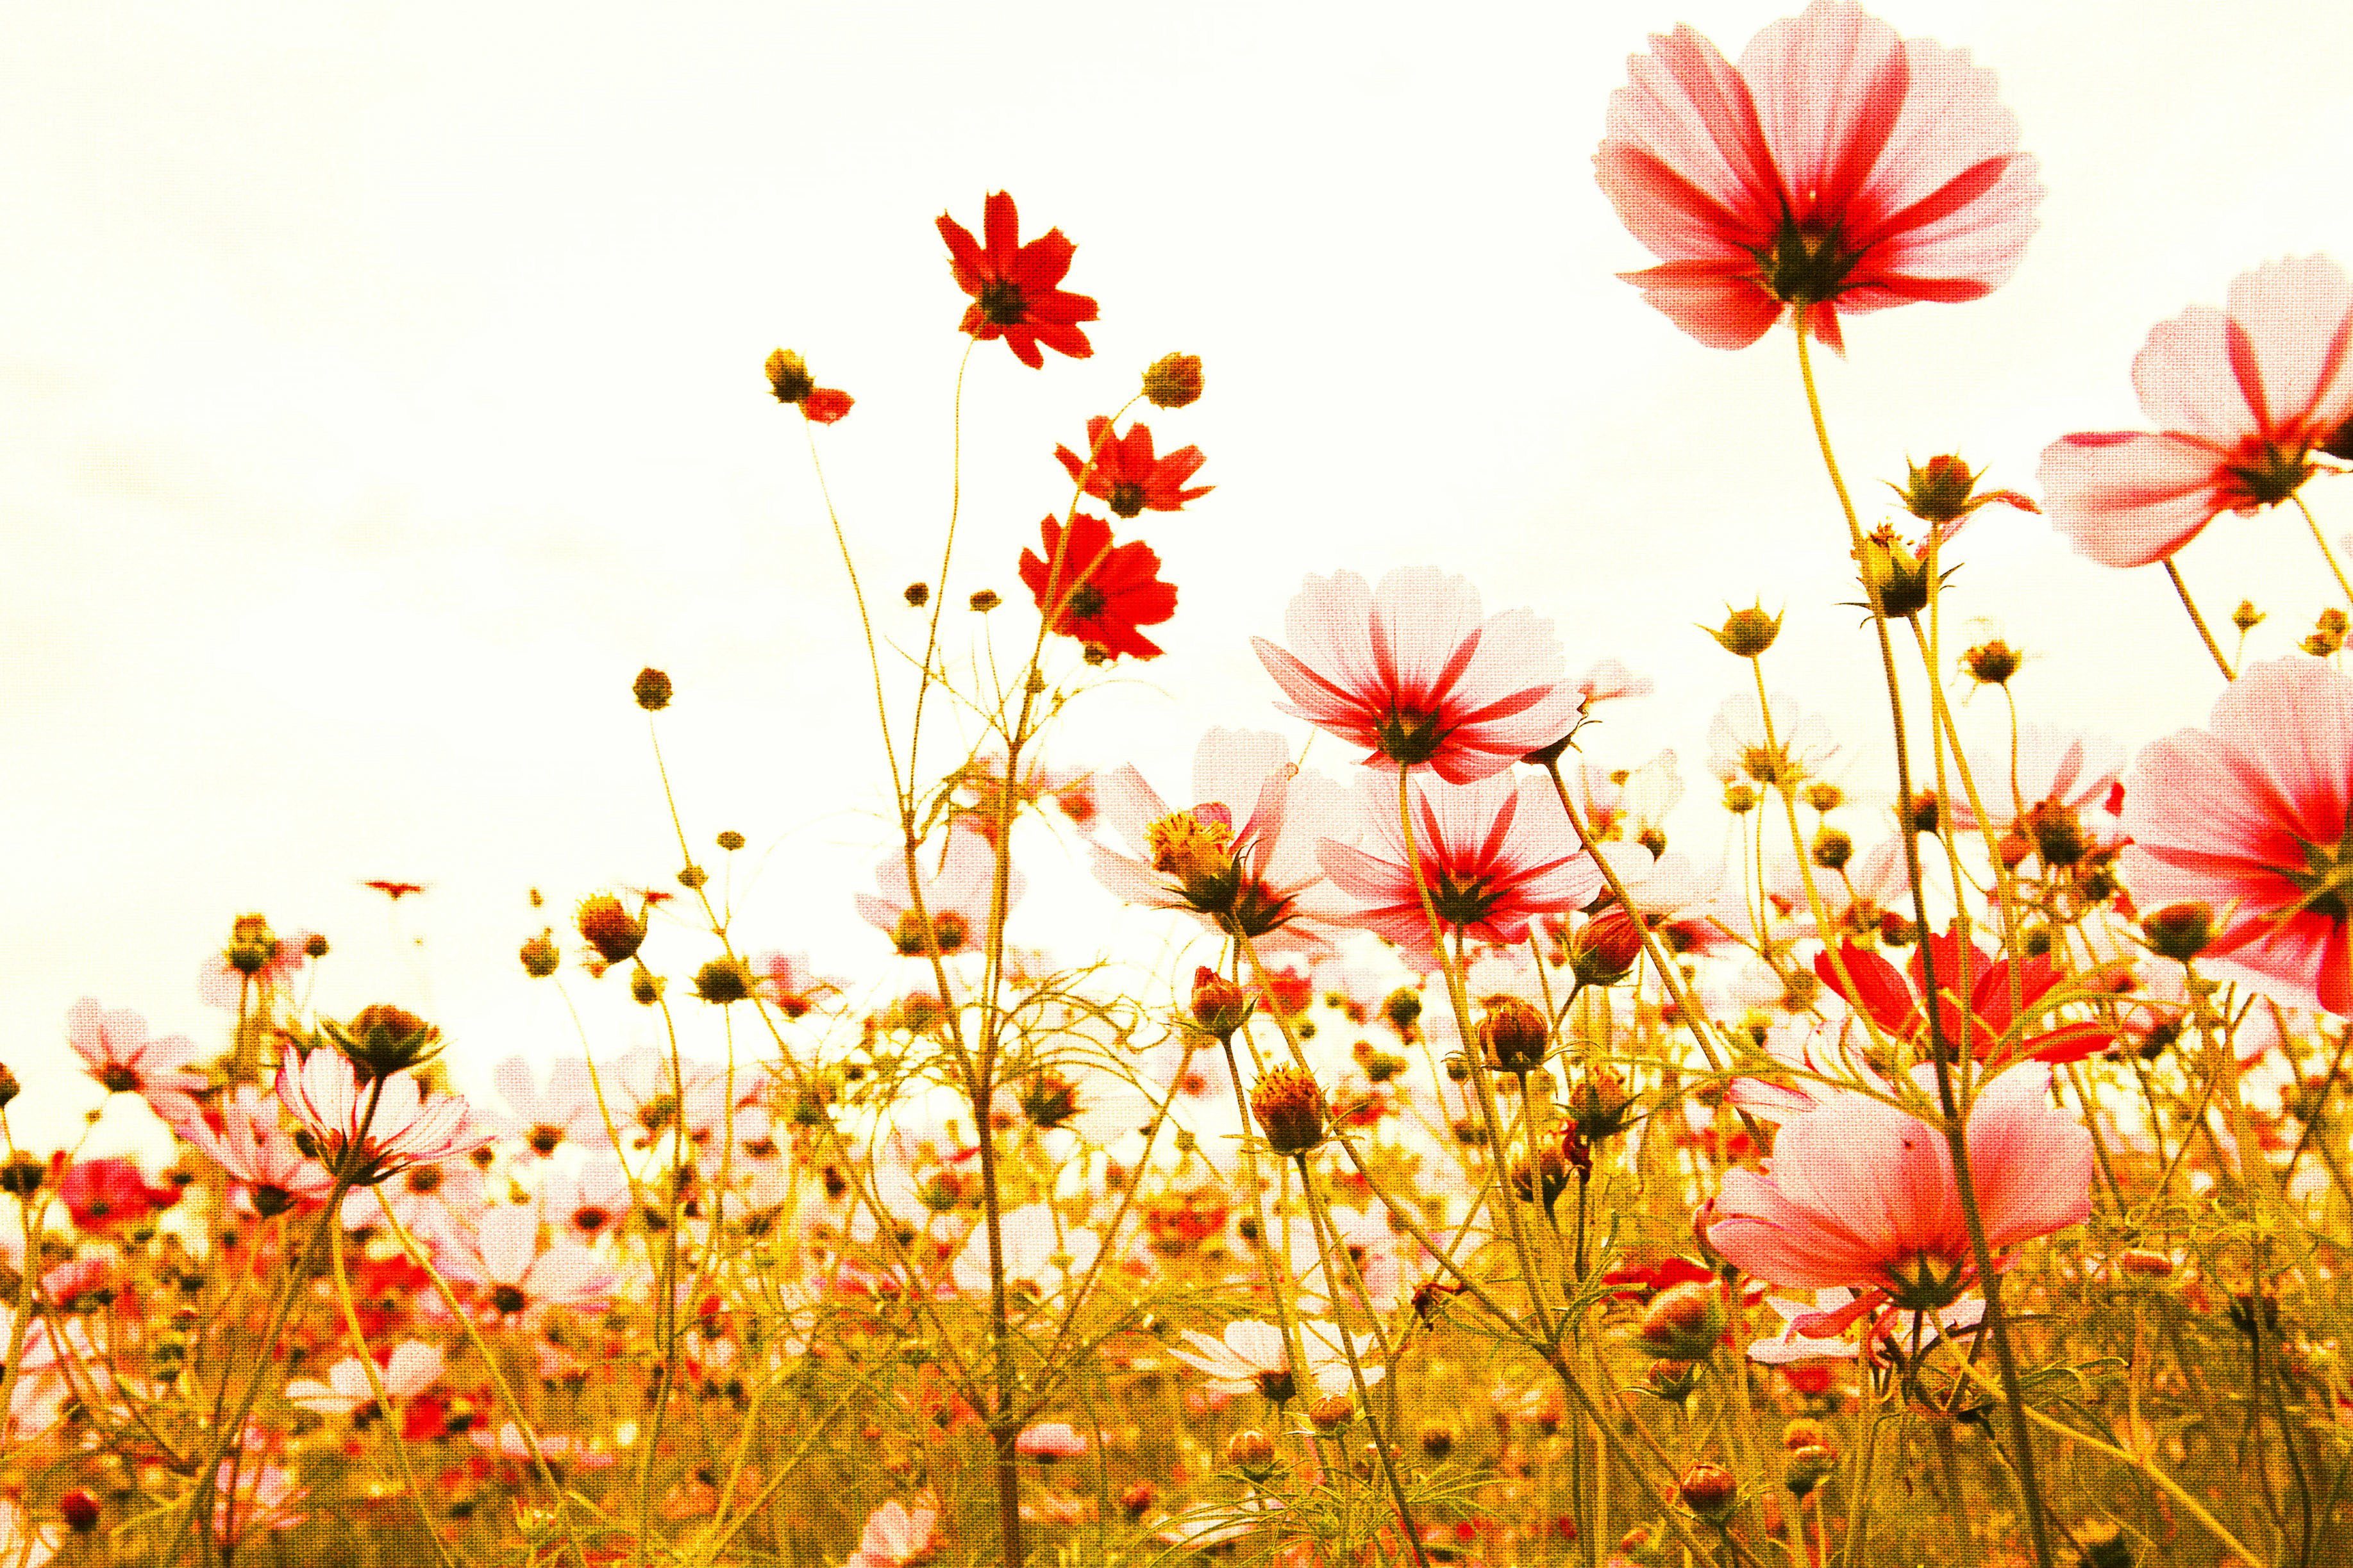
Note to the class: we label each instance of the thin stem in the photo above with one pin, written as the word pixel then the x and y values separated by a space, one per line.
pixel 2204 633
pixel 386 1412
pixel 1955 1124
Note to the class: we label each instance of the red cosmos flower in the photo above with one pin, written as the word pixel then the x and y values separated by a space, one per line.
pixel 1492 856
pixel 1839 168
pixel 2243 397
pixel 1413 673
pixel 1013 286
pixel 1126 477
pixel 1101 591
pixel 106 1195
pixel 2254 815
pixel 1894 1001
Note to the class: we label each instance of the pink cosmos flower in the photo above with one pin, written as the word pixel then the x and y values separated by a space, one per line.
pixel 410 1368
pixel 105 1194
pixel 1413 673
pixel 2060 782
pixel 1862 1194
pixel 545 1117
pixel 1050 1441
pixel 499 1256
pixel 790 984
pixel 590 1200
pixel 251 1146
pixel 1042 1257
pixel 407 1128
pixel 896 1536
pixel 1837 169
pixel 255 957
pixel 2253 816
pixel 1242 860
pixel 2243 397
pixel 1250 1358
pixel 956 893
pixel 1493 856
pixel 121 1057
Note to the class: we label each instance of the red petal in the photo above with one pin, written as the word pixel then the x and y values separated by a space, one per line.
pixel 825 404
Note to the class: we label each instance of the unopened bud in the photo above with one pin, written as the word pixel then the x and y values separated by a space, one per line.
pixel 9 1088
pixel 79 1509
pixel 1672 1381
pixel 1824 795
pixel 1803 1469
pixel 2105 1544
pixel 1220 1005
pixel 1048 1099
pixel 2180 932
pixel 1598 1106
pixel 1832 848
pixel 1891 572
pixel 918 594
pixel 1332 1412
pixel 1251 1451
pixel 1437 1440
pixel 1739 798
pixel 606 925
pixel 1174 381
pixel 1289 1107
pixel 1926 812
pixel 383 1039
pixel 1602 951
pixel 2246 617
pixel 1747 634
pixel 645 987
pixel 1402 1010
pixel 314 946
pixel 789 377
pixel 1709 1490
pixel 2143 1264
pixel 1514 1034
pixel 651 688
pixel 1683 1324
pixel 985 600
pixel 731 841
pixel 1805 1432
pixel 22 1175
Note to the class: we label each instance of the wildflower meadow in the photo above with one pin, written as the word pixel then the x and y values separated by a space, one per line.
pixel 1887 1134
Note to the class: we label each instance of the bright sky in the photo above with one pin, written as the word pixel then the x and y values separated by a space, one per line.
pixel 380 388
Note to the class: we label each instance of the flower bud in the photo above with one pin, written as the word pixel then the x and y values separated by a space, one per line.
pixel 1137 1500
pixel 1672 1381
pixel 1598 1106
pixel 1220 1005
pixel 79 1509
pixel 723 980
pixel 22 1175
pixel 540 955
pixel 1515 1035
pixel 1824 795
pixel 1993 663
pixel 645 987
pixel 1332 1412
pixel 1174 381
pixel 1927 811
pixel 383 1039
pixel 2180 932
pixel 252 945
pixel 1048 1099
pixel 1290 1109
pixel 1832 848
pixel 2143 1264
pixel 692 877
pixel 985 600
pixel 1805 1432
pixel 2105 1544
pixel 1709 1490
pixel 651 690
pixel 9 1088
pixel 2246 617
pixel 1747 634
pixel 1602 951
pixel 606 925
pixel 1683 1322
pixel 1251 1451
pixel 1401 1009
pixel 731 841
pixel 1437 1440
pixel 917 594
pixel 1943 490
pixel 314 946
pixel 1891 572
pixel 1803 1469
pixel 1739 798
pixel 1551 1176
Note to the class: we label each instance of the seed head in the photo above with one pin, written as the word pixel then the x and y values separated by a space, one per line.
pixel 1993 663
pixel 384 1039
pixel 1832 848
pixel 651 690
pixel 645 987
pixel 606 925
pixel 1174 381
pixel 1747 634
pixel 722 981
pixel 1290 1109
pixel 540 955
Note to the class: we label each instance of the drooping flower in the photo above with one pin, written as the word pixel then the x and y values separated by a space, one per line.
pixel 1837 169
pixel 789 379
pixel 1862 1194
pixel 1096 592
pixel 956 896
pixel 1413 673
pixel 2254 815
pixel 2242 398
pixel 1125 475
pixel 1491 857
pixel 1243 859
pixel 404 1128
pixel 1016 288
pixel 1893 999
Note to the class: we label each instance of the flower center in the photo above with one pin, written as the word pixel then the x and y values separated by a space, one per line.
pixel 1197 849
pixel 2326 882
pixel 1409 738
pixel 1002 303
pixel 2058 832
pixel 116 1077
pixel 508 1300
pixel 946 932
pixel 1085 602
pixel 1805 265
pixel 1126 498
pixel 2271 474
pixel 1460 900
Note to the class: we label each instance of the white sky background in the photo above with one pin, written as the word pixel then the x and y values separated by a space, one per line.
pixel 380 388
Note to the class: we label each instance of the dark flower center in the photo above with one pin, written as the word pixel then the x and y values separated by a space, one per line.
pixel 1126 498
pixel 1002 303
pixel 1460 900
pixel 1086 600
pixel 947 932
pixel 1805 266
pixel 1410 737
pixel 2326 882
pixel 588 1219
pixel 545 1137
pixel 508 1300
pixel 117 1077
pixel 2271 474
